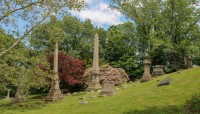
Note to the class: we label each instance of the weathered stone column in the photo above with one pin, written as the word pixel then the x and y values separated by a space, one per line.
pixel 189 62
pixel 55 92
pixel 146 76
pixel 95 69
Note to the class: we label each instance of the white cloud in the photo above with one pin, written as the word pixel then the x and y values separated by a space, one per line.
pixel 89 1
pixel 99 13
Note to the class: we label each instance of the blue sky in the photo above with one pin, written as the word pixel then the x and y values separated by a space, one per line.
pixel 97 11
pixel 100 14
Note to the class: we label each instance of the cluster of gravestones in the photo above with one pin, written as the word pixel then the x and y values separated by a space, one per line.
pixel 158 70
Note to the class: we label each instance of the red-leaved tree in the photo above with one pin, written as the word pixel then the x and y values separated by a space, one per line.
pixel 70 72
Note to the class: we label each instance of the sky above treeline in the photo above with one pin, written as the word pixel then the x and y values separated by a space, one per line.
pixel 100 14
pixel 98 11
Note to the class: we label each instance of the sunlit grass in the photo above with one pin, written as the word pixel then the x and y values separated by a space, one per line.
pixel 135 98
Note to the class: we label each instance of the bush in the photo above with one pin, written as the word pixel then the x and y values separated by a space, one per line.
pixel 170 68
pixel 70 71
pixel 192 106
pixel 108 73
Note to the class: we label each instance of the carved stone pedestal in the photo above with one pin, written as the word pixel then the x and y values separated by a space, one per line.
pixel 146 76
pixel 54 93
pixel 189 62
pixel 94 85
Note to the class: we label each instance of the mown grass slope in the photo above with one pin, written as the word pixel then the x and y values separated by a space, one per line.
pixel 135 98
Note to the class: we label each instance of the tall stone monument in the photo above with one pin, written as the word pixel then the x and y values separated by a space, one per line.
pixel 94 84
pixel 146 76
pixel 55 92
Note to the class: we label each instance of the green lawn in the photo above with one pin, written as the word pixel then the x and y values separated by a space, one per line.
pixel 136 98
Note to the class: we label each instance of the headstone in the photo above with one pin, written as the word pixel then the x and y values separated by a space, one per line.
pixel 189 62
pixel 108 88
pixel 8 94
pixel 146 75
pixel 158 70
pixel 83 102
pixel 178 72
pixel 81 98
pixel 94 84
pixel 92 96
pixel 74 93
pixel 103 95
pixel 167 81
pixel 55 92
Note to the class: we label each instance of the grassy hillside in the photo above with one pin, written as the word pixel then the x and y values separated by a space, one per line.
pixel 135 98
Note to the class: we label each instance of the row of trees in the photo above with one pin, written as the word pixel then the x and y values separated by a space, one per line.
pixel 168 30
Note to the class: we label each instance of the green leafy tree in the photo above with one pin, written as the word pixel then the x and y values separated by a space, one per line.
pixel 180 19
pixel 165 28
pixel 21 66
pixel 32 13
pixel 145 14
pixel 120 48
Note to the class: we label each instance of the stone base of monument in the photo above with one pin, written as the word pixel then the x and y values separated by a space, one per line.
pixel 145 78
pixel 108 88
pixel 54 95
pixel 94 86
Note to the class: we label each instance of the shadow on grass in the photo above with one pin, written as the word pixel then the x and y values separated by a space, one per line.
pixel 158 110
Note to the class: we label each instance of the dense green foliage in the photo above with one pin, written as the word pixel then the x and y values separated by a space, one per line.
pixel 167 30
pixel 76 40
pixel 120 49
pixel 33 13
pixel 21 63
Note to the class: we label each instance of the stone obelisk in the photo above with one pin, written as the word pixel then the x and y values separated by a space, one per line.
pixel 55 92
pixel 146 75
pixel 94 84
